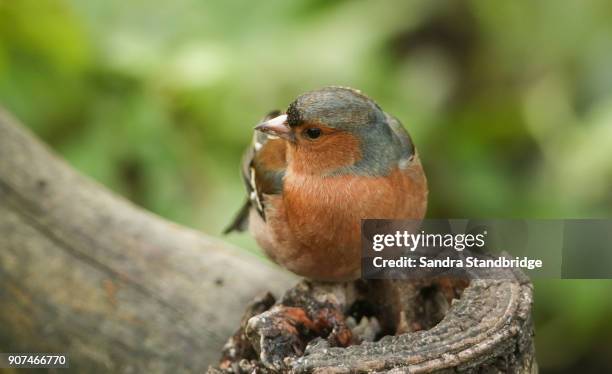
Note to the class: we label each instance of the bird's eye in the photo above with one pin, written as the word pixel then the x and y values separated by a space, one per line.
pixel 313 132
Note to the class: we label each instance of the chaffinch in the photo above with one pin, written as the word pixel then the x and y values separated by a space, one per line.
pixel 312 173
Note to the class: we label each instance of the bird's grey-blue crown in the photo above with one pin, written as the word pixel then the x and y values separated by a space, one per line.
pixel 337 107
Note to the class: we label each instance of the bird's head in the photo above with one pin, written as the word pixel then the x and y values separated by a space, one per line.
pixel 333 130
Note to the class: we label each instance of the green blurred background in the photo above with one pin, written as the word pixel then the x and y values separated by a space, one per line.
pixel 509 103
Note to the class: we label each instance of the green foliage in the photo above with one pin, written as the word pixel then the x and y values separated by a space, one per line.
pixel 509 103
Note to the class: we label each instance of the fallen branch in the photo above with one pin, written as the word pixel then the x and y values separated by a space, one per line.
pixel 118 289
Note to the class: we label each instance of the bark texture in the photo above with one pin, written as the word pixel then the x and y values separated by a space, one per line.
pixel 85 272
pixel 485 328
pixel 488 330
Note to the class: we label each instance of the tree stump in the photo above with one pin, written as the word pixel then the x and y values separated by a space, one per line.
pixel 419 327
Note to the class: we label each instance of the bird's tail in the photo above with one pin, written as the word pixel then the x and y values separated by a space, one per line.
pixel 240 222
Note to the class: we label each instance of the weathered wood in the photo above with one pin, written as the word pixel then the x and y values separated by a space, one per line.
pixel 488 329
pixel 85 272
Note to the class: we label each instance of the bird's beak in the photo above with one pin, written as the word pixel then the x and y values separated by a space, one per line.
pixel 276 126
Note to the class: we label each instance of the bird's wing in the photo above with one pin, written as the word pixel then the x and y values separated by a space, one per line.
pixel 404 139
pixel 263 168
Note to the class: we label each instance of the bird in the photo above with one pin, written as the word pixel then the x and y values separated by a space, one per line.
pixel 313 172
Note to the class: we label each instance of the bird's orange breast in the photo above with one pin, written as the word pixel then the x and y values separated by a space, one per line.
pixel 316 221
